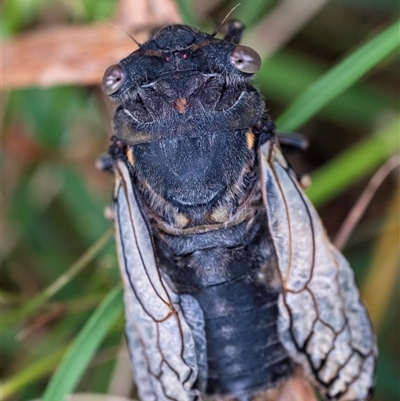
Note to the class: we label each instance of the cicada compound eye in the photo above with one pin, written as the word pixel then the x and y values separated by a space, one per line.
pixel 113 79
pixel 245 59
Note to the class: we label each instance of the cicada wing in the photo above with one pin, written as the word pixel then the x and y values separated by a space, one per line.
pixel 160 340
pixel 323 324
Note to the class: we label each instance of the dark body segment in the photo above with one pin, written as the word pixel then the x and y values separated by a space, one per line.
pixel 239 301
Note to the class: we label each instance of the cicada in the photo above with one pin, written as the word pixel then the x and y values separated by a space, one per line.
pixel 230 280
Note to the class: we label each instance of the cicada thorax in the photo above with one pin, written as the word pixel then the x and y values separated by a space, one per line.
pixel 192 168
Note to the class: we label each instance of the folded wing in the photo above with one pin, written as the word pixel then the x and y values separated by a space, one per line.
pixel 160 340
pixel 323 324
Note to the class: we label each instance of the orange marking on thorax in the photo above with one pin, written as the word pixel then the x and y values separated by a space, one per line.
pixel 250 139
pixel 129 156
pixel 181 104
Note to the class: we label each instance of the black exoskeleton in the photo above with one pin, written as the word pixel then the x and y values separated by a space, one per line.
pixel 189 125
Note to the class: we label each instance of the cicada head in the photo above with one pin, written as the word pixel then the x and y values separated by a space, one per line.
pixel 179 48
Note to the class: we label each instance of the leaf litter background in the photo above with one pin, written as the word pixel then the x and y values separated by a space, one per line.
pixel 58 257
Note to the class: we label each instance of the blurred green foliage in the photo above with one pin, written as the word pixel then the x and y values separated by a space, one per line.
pixel 53 198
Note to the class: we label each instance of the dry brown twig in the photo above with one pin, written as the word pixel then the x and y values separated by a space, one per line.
pixel 79 54
pixel 363 201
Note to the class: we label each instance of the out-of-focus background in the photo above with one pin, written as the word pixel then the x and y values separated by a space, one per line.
pixel 56 122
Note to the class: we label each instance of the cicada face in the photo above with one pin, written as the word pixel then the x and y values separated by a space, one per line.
pixel 231 283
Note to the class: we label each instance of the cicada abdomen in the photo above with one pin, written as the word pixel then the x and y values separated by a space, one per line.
pixel 231 284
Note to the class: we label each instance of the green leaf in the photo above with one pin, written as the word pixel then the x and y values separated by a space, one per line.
pixel 40 299
pixel 30 373
pixel 49 112
pixel 354 163
pixel 286 74
pixel 84 208
pixel 84 347
pixel 340 78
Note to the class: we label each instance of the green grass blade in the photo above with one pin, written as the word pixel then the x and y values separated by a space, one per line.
pixel 84 347
pixel 40 299
pixel 355 162
pixel 340 78
pixel 31 373
pixel 287 74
